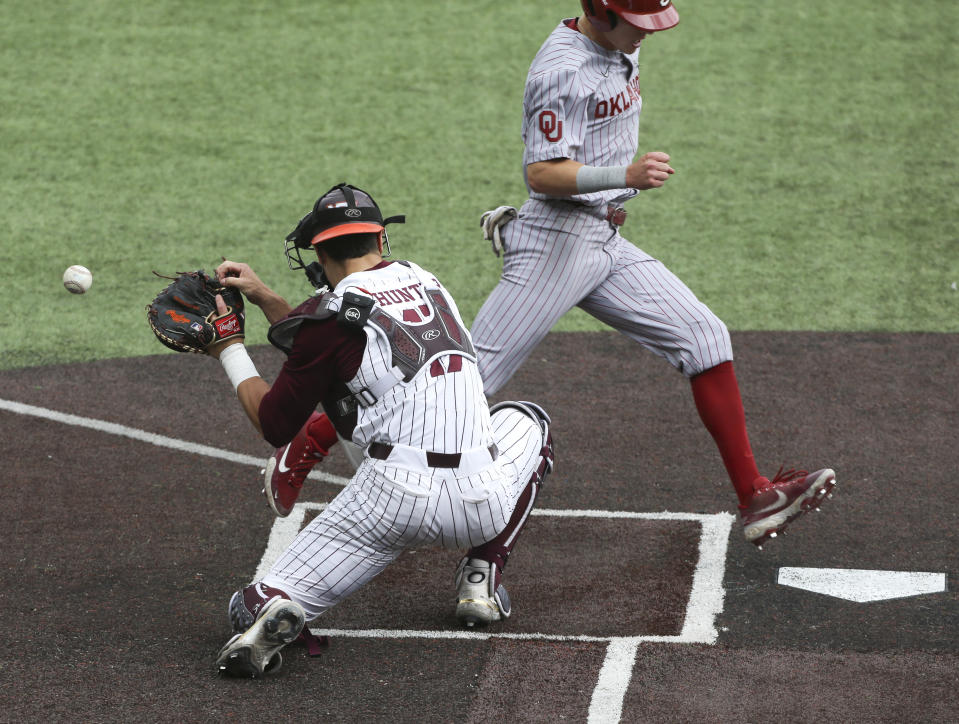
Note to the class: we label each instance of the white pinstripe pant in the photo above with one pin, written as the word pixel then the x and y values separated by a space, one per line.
pixel 386 509
pixel 560 255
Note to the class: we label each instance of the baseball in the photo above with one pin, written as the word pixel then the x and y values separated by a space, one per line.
pixel 77 279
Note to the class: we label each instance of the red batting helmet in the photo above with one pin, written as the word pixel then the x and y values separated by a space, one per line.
pixel 648 15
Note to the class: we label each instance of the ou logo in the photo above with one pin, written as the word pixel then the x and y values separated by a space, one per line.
pixel 430 334
pixel 551 126
pixel 352 314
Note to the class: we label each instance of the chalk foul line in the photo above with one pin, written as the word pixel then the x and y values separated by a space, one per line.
pixel 112 428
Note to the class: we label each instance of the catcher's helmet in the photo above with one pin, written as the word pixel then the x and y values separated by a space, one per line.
pixel 648 15
pixel 342 210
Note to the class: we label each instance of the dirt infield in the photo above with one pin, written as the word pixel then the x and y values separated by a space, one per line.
pixel 122 547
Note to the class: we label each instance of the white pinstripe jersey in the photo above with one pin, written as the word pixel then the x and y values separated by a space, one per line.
pixel 581 102
pixel 443 408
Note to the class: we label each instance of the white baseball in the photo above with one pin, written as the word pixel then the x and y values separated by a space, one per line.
pixel 77 279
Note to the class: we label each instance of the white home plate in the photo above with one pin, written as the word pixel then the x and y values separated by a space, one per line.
pixel 862 585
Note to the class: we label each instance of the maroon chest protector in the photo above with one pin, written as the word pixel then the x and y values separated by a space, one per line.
pixel 412 346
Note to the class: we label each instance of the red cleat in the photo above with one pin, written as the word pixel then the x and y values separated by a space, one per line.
pixel 289 466
pixel 787 496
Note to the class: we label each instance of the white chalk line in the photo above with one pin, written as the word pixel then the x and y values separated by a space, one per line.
pixel 113 428
pixel 606 704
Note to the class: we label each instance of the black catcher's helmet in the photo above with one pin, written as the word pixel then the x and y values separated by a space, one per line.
pixel 342 210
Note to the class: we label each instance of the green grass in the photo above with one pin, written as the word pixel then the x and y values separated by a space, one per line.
pixel 815 145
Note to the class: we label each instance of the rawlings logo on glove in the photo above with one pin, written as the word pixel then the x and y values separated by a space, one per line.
pixel 184 316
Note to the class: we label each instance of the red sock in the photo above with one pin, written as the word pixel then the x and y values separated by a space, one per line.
pixel 720 406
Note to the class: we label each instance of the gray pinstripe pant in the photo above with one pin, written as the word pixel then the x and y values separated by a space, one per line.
pixel 560 255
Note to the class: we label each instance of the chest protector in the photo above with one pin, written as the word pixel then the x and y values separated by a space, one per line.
pixel 412 346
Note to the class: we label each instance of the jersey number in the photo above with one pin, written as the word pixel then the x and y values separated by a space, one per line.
pixel 551 126
pixel 455 364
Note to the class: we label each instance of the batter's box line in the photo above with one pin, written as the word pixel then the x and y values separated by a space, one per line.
pixel 705 599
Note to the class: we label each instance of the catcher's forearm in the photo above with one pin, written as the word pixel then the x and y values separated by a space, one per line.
pixel 250 387
pixel 273 305
pixel 250 393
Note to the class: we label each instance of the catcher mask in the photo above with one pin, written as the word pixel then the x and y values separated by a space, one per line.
pixel 342 210
pixel 648 15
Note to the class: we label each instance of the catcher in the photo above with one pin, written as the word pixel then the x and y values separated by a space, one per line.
pixel 384 350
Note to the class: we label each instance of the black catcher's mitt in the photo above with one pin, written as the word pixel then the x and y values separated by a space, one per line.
pixel 184 318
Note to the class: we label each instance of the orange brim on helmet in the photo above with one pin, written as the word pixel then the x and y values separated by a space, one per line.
pixel 660 20
pixel 353 227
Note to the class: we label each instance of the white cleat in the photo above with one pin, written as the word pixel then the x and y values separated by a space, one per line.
pixel 256 651
pixel 478 599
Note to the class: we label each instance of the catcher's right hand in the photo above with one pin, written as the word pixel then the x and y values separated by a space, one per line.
pixel 492 221
pixel 184 316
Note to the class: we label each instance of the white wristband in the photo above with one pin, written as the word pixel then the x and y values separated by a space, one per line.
pixel 600 178
pixel 237 363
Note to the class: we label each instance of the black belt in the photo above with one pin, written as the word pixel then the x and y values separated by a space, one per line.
pixel 615 215
pixel 382 450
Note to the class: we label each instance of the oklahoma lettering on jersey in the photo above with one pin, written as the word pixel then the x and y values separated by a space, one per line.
pixel 417 413
pixel 581 102
pixel 621 102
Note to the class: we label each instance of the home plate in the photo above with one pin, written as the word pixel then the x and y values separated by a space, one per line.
pixel 861 585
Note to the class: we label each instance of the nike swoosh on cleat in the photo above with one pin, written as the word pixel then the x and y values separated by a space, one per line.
pixel 771 507
pixel 284 469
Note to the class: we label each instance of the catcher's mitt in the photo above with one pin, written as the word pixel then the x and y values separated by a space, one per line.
pixel 184 318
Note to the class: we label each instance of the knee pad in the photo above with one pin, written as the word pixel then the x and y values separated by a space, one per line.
pixel 246 604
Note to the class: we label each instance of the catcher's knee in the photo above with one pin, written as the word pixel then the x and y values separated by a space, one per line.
pixel 246 604
pixel 543 421
pixel 530 409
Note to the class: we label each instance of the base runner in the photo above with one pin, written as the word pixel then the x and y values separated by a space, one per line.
pixel 563 248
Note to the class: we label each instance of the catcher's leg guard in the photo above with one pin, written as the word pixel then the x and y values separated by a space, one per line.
pixel 481 597
pixel 255 650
